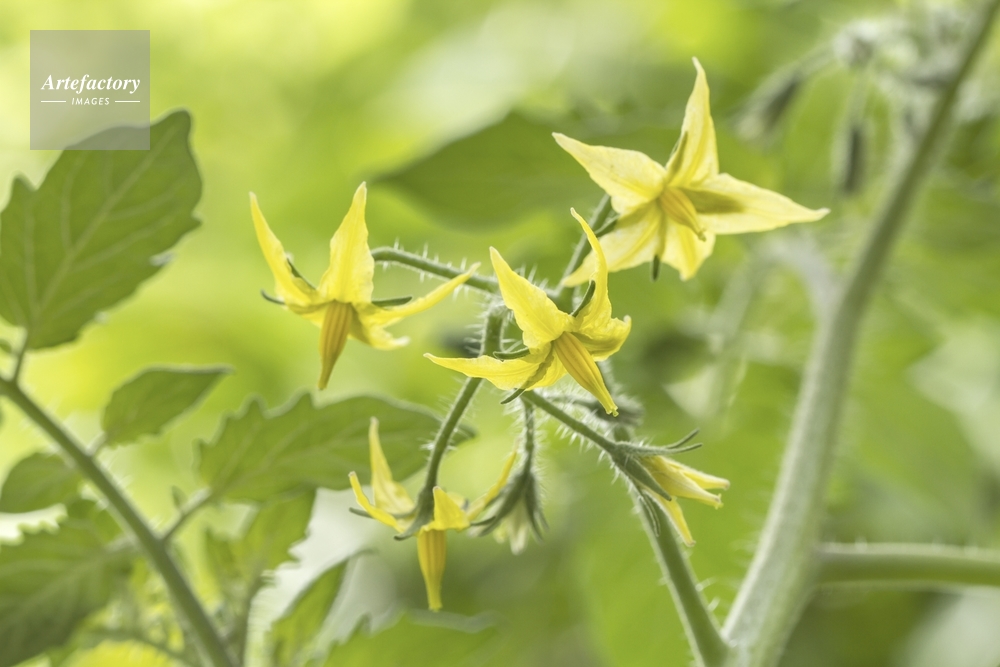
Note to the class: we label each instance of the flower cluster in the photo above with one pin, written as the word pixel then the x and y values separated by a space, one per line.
pixel 663 213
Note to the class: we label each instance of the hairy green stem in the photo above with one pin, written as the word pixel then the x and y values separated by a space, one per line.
pixel 492 331
pixel 702 630
pixel 780 576
pixel 188 606
pixel 920 566
pixel 420 263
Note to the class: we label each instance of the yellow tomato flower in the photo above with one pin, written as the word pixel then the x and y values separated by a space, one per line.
pixel 674 212
pixel 342 303
pixel 394 507
pixel 681 481
pixel 557 342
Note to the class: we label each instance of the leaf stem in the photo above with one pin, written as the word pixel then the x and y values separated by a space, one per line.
pixel 907 565
pixel 779 578
pixel 421 263
pixel 186 602
pixel 701 628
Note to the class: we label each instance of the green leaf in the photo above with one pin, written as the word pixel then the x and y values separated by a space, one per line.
pixel 39 481
pixel 149 401
pixel 497 175
pixel 410 643
pixel 94 230
pixel 6 347
pixel 51 581
pixel 257 456
pixel 297 628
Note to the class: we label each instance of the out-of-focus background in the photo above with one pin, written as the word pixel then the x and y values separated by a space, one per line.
pixel 300 102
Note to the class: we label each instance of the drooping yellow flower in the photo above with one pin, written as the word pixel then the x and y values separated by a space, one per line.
pixel 681 481
pixel 557 343
pixel 341 305
pixel 394 507
pixel 673 212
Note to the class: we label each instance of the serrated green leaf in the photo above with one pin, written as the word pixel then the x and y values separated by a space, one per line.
pixel 51 581
pixel 410 643
pixel 495 176
pixel 297 627
pixel 94 230
pixel 149 401
pixel 257 456
pixel 39 481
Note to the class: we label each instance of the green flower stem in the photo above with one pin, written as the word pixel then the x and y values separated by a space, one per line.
pixel 701 627
pixel 564 294
pixel 908 565
pixel 186 602
pixel 780 576
pixel 492 331
pixel 420 263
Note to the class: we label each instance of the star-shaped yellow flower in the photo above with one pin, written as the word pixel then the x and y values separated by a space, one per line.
pixel 681 481
pixel 342 302
pixel 673 212
pixel 557 343
pixel 394 507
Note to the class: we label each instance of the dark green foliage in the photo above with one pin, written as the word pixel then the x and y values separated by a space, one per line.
pixel 148 402
pixel 257 456
pixel 95 229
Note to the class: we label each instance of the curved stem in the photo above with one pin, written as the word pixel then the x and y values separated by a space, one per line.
pixel 778 580
pixel 702 630
pixel 186 602
pixel 420 263
pixel 907 565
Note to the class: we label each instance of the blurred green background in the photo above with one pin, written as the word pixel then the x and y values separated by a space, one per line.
pixel 299 102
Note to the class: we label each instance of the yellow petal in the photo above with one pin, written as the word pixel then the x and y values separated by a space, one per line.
pixel 388 316
pixel 389 495
pixel 727 205
pixel 432 552
pixel 349 276
pixel 684 251
pixel 704 480
pixel 580 364
pixel 675 480
pixel 505 375
pixel 373 512
pixel 599 308
pixel 291 289
pixel 634 241
pixel 603 341
pixel 631 178
pixel 372 334
pixel 337 321
pixel 448 514
pixel 696 157
pixel 673 509
pixel 540 320
pixel 480 503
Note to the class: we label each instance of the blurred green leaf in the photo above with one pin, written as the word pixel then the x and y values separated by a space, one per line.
pixel 257 456
pixel 297 627
pixel 497 175
pixel 240 565
pixel 39 481
pixel 5 346
pixel 410 643
pixel 149 401
pixel 94 230
pixel 51 581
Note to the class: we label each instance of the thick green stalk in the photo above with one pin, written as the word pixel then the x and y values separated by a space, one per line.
pixel 706 642
pixel 420 263
pixel 188 606
pixel 922 566
pixel 781 573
